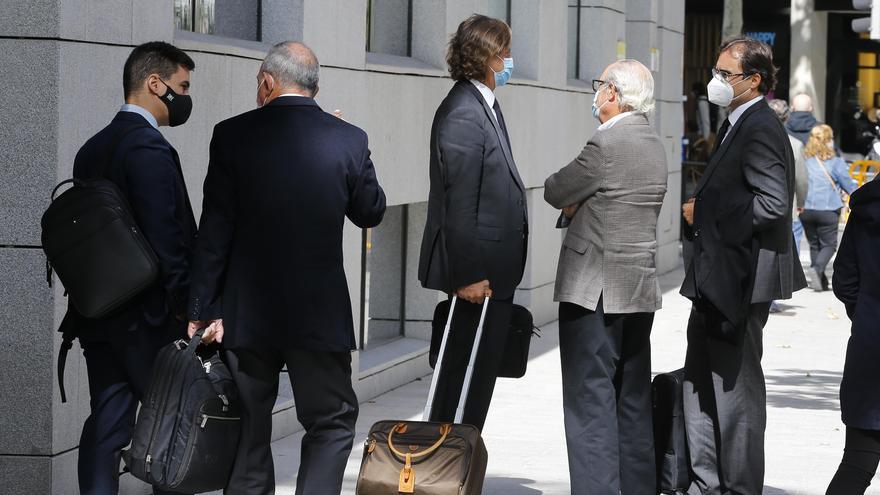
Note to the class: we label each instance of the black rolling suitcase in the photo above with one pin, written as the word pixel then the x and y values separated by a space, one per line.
pixel 670 440
pixel 187 430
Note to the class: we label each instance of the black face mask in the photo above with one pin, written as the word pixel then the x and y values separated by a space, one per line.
pixel 179 106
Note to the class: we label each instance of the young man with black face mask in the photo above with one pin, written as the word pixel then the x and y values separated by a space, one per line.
pixel 119 349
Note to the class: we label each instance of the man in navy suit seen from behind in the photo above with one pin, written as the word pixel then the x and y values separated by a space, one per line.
pixel 119 349
pixel 268 270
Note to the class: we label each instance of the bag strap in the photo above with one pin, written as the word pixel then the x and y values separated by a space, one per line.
pixel 828 176
pixel 66 345
pixel 115 148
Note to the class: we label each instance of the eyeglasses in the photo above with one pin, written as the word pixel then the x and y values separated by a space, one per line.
pixel 721 73
pixel 598 83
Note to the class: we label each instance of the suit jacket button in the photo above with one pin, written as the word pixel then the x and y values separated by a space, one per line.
pixel 697 233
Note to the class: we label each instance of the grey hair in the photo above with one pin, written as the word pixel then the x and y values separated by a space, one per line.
pixel 781 109
pixel 292 63
pixel 634 84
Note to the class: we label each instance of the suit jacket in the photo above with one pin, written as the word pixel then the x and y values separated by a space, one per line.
pixel 856 269
pixel 477 225
pixel 743 247
pixel 619 181
pixel 146 168
pixel 281 180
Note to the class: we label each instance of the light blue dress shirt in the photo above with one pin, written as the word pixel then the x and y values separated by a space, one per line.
pixel 128 107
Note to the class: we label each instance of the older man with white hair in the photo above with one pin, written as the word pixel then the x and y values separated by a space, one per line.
pixel 606 286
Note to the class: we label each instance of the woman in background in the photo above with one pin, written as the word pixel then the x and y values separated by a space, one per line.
pixel 828 176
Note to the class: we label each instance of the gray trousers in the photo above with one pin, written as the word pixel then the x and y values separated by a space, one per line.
pixel 606 396
pixel 725 407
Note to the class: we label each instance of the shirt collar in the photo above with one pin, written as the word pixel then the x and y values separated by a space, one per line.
pixel 143 112
pixel 613 120
pixel 294 94
pixel 740 110
pixel 487 93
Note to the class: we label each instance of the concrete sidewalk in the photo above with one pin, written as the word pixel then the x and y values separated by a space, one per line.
pixel 803 358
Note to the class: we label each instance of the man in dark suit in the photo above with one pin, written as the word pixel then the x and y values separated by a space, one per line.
pixel 268 279
pixel 474 243
pixel 740 223
pixel 119 349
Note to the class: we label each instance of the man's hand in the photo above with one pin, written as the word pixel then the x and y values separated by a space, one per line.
pixel 194 326
pixel 475 293
pixel 687 210
pixel 213 330
pixel 570 210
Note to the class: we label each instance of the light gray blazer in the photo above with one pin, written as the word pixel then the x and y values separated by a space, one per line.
pixel 619 181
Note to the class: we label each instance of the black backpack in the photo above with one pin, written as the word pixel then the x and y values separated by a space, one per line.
pixel 94 245
pixel 186 435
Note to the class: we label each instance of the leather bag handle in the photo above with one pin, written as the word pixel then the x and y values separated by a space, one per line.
pixel 444 431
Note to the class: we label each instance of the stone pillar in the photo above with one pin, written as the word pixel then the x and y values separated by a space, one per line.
pixel 57 96
pixel 669 122
pixel 809 47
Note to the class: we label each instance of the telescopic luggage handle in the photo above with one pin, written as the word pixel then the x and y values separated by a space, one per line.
pixel 459 412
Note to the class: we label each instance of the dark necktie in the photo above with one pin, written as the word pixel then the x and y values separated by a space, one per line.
pixel 721 133
pixel 501 123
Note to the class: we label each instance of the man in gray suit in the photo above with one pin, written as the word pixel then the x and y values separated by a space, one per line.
pixel 740 222
pixel 607 289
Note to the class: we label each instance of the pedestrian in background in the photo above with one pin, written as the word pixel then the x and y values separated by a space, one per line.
pixel 268 278
pixel 801 121
pixel 606 285
pixel 801 178
pixel 857 284
pixel 829 178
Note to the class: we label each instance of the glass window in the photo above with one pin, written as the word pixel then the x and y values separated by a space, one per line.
pixel 383 279
pixel 238 19
pixel 194 15
pixel 389 27
pixel 500 9
pixel 574 37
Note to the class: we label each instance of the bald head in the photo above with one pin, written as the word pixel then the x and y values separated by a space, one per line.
pixel 802 103
pixel 634 84
pixel 292 66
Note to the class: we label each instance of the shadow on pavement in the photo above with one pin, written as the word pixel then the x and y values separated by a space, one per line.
pixel 803 389
pixel 769 490
pixel 785 309
pixel 509 486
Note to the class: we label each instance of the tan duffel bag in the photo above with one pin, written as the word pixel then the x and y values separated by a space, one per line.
pixel 427 458
pixel 422 458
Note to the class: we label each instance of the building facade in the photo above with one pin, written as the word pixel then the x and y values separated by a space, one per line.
pixel 382 64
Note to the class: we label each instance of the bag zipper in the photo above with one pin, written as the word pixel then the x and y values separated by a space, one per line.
pixel 206 417
pixel 161 405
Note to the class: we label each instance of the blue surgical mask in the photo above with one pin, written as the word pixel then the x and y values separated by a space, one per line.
pixel 597 109
pixel 503 76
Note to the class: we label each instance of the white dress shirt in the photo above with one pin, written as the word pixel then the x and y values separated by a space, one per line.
pixel 613 120
pixel 488 95
pixel 736 114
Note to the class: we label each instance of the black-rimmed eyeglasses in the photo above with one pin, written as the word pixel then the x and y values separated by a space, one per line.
pixel 597 84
